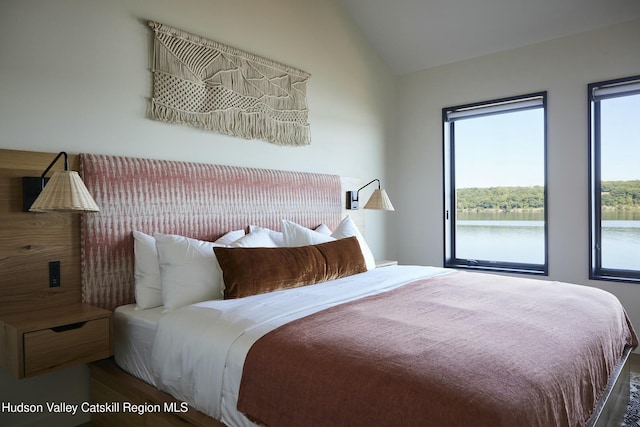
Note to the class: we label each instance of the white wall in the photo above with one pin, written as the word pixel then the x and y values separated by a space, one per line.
pixel 562 67
pixel 75 76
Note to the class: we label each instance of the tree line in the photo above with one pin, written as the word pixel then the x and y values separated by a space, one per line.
pixel 621 194
pixel 615 195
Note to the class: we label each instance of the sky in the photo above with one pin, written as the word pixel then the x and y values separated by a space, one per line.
pixel 621 138
pixel 492 151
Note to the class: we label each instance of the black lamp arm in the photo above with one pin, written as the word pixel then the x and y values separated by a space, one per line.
pixel 366 185
pixel 66 165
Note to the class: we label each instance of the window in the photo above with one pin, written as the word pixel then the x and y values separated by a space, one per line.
pixel 614 156
pixel 495 185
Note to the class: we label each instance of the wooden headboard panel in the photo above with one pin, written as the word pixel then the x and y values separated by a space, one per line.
pixel 29 241
pixel 191 199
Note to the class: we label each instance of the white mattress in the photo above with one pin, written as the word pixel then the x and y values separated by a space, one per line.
pixel 134 332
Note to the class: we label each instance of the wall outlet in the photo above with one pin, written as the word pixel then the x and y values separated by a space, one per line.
pixel 54 274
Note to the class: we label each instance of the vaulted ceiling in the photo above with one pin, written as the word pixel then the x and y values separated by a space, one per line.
pixel 411 35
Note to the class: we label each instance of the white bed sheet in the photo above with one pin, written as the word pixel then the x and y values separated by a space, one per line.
pixel 204 367
pixel 133 334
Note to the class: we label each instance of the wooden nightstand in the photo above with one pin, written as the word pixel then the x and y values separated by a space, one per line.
pixel 385 263
pixel 39 341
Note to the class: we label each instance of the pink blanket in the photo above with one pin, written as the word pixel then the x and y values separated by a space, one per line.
pixel 462 349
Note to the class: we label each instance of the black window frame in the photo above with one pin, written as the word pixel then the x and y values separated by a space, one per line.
pixel 597 92
pixel 450 203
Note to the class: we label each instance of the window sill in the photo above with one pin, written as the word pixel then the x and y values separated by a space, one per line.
pixel 616 276
pixel 536 270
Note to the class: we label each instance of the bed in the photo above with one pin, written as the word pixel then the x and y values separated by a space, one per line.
pixel 221 356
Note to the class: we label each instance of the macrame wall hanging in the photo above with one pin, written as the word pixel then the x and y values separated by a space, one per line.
pixel 203 83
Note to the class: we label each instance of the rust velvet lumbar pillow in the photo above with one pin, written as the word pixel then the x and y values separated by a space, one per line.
pixel 251 271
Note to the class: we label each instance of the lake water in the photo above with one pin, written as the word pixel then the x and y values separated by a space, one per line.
pixel 519 237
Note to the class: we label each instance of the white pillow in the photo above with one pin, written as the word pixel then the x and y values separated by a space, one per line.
pixel 259 238
pixel 189 270
pixel 148 285
pixel 148 282
pixel 297 235
pixel 230 237
pixel 324 229
pixel 276 236
pixel 348 228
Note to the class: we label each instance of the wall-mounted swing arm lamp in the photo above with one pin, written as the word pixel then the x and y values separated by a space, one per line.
pixel 64 191
pixel 378 200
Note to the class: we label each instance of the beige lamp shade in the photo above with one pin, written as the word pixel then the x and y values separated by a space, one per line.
pixel 65 192
pixel 379 200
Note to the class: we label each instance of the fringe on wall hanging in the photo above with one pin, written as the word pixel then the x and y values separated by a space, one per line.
pixel 203 83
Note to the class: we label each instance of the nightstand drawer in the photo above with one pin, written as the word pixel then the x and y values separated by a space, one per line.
pixel 66 345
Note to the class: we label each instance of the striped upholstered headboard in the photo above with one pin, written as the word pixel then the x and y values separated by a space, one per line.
pixel 196 200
